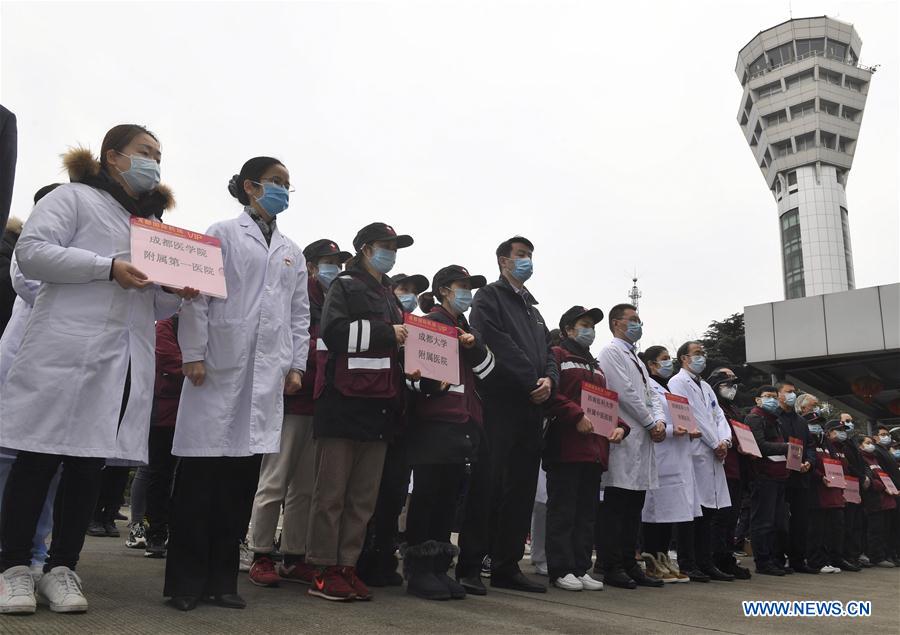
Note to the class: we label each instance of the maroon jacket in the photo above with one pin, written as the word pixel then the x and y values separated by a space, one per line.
pixel 826 497
pixel 301 403
pixel 876 486
pixel 565 444
pixel 169 376
pixel 733 459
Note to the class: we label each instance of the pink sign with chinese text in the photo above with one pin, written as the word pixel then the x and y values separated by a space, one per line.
pixel 887 480
pixel 433 348
pixel 795 454
pixel 680 409
pixel 851 490
pixel 601 406
pixel 746 440
pixel 178 258
pixel 834 472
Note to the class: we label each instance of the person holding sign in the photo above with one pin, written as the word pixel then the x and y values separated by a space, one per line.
pixel 359 396
pixel 708 453
pixel 444 435
pixel 241 356
pixel 767 507
pixel 575 455
pixel 826 513
pixel 854 514
pixel 90 340
pixel 632 463
pixel 879 504
pixel 674 504
pixel 501 491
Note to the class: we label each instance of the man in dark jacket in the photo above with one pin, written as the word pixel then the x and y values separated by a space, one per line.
pixel 501 494
pixel 7 246
pixel 796 493
pixel 770 474
pixel 8 148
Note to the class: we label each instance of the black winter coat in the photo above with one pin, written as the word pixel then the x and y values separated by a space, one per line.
pixel 7 293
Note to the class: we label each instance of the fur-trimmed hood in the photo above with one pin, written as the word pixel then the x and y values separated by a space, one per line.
pixel 83 167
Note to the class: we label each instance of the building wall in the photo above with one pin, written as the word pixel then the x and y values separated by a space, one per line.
pixel 818 199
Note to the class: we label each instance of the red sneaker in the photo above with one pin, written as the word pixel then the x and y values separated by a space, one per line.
pixel 359 587
pixel 301 572
pixel 328 583
pixel 262 572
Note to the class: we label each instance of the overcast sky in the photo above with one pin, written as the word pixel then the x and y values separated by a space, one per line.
pixel 605 132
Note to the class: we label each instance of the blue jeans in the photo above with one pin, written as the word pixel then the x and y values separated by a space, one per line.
pixel 45 524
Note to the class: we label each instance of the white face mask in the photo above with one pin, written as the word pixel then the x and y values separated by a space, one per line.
pixel 728 392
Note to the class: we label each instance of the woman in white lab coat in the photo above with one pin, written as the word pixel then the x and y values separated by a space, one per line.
pixel 80 387
pixel 708 453
pixel 673 502
pixel 241 356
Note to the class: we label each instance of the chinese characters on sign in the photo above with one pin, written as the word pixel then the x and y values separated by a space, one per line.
pixel 834 472
pixel 795 454
pixel 681 413
pixel 178 258
pixel 745 438
pixel 432 348
pixel 887 480
pixel 601 406
pixel 851 491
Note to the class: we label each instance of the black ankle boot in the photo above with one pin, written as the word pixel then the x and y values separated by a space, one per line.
pixel 419 567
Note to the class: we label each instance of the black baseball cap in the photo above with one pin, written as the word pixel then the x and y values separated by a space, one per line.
pixel 380 231
pixel 419 282
pixel 454 273
pixel 576 313
pixel 834 424
pixel 718 378
pixel 325 247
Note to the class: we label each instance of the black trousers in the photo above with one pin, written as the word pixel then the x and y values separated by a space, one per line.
pixel 211 504
pixel 657 537
pixel 432 505
pixel 509 480
pixel 572 492
pixel 792 542
pixel 724 524
pixel 826 537
pixel 854 528
pixel 160 471
pixel 892 533
pixel 113 480
pixel 695 541
pixel 620 526
pixel 877 535
pixel 23 500
pixel 767 519
pixel 382 530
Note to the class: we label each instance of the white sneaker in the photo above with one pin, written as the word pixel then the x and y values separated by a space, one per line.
pixel 137 536
pixel 829 569
pixel 246 557
pixel 541 570
pixel 61 589
pixel 569 583
pixel 590 584
pixel 17 591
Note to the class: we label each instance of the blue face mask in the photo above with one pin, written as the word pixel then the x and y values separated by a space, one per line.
pixel 789 399
pixel 884 440
pixel 409 302
pixel 275 199
pixel 585 336
pixel 849 425
pixel 840 435
pixel 382 260
pixel 896 454
pixel 816 430
pixel 142 176
pixel 634 332
pixel 770 405
pixel 697 364
pixel 461 300
pixel 666 368
pixel 523 269
pixel 327 274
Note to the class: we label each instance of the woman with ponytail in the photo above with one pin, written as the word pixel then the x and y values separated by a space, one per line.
pixel 241 356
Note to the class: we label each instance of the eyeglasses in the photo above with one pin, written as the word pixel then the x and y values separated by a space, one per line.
pixel 277 180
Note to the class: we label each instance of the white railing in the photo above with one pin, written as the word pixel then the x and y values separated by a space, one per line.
pixel 808 55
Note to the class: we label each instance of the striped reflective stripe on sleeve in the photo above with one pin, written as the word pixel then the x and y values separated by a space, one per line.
pixel 460 388
pixel 486 366
pixel 369 363
pixel 365 336
pixel 572 365
pixel 415 386
pixel 320 344
pixel 353 339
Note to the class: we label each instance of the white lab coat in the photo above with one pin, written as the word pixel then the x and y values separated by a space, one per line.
pixel 674 501
pixel 63 394
pixel 631 463
pixel 709 472
pixel 248 343
pixel 26 291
